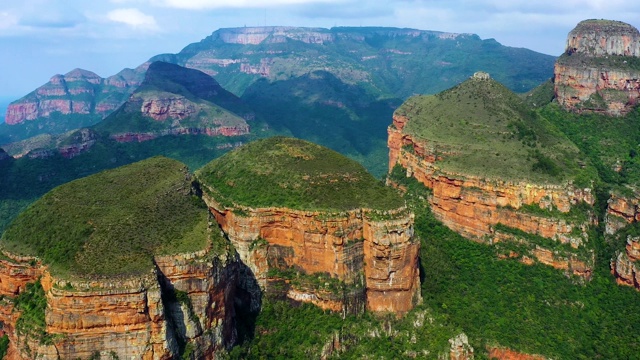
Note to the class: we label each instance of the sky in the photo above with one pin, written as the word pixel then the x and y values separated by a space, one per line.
pixel 41 38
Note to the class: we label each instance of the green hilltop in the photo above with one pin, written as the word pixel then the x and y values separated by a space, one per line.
pixel 481 128
pixel 113 222
pixel 296 174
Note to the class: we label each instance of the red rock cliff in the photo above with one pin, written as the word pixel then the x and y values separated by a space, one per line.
pixel 374 258
pixel 474 206
pixel 131 318
pixel 625 266
pixel 599 71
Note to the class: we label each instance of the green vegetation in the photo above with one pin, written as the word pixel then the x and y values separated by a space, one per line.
pixel 609 142
pixel 113 222
pixel 32 303
pixel 481 128
pixel 296 174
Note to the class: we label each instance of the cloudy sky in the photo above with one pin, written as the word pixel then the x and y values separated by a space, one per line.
pixel 40 38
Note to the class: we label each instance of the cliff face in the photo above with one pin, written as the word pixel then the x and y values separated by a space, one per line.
pixel 599 71
pixel 481 209
pixel 371 259
pixel 621 211
pixel 187 299
pixel 625 265
pixel 77 92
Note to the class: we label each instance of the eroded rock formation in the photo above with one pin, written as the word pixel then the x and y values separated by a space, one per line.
pixel 625 266
pixel 599 71
pixel 373 255
pixel 621 211
pixel 479 208
pixel 187 299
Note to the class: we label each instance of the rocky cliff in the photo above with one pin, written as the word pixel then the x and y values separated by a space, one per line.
pixel 139 317
pixel 600 69
pixel 625 266
pixel 622 210
pixel 176 292
pixel 342 258
pixel 492 208
pixel 77 92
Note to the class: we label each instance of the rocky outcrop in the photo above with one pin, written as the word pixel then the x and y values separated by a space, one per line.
pixel 625 266
pixel 77 92
pixel 600 69
pixel 187 299
pixel 367 257
pixel 480 208
pixel 171 107
pixel 501 353
pixel 460 348
pixel 621 211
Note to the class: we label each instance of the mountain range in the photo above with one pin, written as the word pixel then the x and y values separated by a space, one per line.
pixel 304 249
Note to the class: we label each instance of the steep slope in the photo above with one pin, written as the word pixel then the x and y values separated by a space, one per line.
pixel 125 269
pixel 600 69
pixel 77 99
pixel 174 100
pixel 498 172
pixel 310 220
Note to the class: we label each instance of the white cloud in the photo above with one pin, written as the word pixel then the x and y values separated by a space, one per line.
pixel 134 18
pixel 7 20
pixel 215 4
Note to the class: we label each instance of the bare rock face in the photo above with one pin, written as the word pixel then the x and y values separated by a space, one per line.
pixel 501 353
pixel 460 348
pixel 475 206
pixel 625 266
pixel 130 318
pixel 376 260
pixel 600 69
pixel 621 211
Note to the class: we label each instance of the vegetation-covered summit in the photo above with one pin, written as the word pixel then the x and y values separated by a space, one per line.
pixel 296 174
pixel 482 128
pixel 113 222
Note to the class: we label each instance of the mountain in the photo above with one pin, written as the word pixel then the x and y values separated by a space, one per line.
pixel 162 280
pixel 175 100
pixel 124 270
pixel 499 172
pixel 386 62
pixel 600 68
pixel 77 99
pixel 171 100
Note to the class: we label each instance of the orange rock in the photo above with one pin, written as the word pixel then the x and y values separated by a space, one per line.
pixel 350 246
pixel 473 206
pixel 501 353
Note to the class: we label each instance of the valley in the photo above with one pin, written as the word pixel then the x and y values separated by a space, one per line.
pixel 470 221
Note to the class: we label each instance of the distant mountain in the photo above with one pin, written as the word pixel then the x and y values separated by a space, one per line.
pixel 174 100
pixel 385 62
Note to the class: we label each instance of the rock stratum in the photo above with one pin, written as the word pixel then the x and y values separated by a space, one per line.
pixel 600 69
pixel 136 265
pixel 495 189
pixel 325 232
pixel 133 273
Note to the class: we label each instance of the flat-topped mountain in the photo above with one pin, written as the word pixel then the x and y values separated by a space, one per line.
pixel 498 171
pixel 124 269
pixel 600 69
pixel 297 212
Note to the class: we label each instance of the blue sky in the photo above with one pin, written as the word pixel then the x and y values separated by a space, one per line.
pixel 40 38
